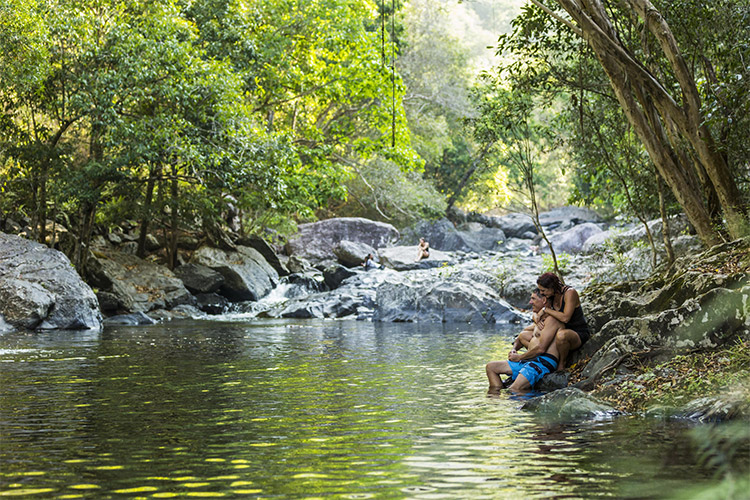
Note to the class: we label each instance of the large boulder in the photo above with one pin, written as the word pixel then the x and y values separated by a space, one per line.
pixel 315 241
pixel 424 297
pixel 706 321
pixel 199 279
pixel 694 287
pixel 443 235
pixel 136 285
pixel 352 253
pixel 335 274
pixel 563 218
pixel 247 275
pixel 335 304
pixel 572 240
pixel 266 250
pixel 24 304
pixel 515 225
pixel 402 258
pixel 625 238
pixel 354 298
pixel 39 289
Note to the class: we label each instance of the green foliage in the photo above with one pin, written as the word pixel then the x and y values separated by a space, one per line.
pixel 512 122
pixel 686 377
pixel 612 251
pixel 717 34
pixel 171 111
pixel 564 261
pixel 505 270
pixel 380 189
pixel 554 63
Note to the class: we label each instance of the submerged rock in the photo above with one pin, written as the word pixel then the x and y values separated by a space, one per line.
pixel 211 303
pixel 553 381
pixel 715 408
pixel 570 404
pixel 40 289
pixel 133 319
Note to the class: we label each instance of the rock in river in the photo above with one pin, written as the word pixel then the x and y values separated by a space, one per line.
pixel 316 241
pixel 40 289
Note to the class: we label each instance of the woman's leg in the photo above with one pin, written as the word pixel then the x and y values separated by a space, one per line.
pixel 525 336
pixel 566 340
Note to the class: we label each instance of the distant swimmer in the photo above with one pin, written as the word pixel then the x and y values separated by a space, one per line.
pixel 423 250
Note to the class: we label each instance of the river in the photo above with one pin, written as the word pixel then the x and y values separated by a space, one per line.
pixel 304 409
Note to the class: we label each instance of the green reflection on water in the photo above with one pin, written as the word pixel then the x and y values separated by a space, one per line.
pixel 299 409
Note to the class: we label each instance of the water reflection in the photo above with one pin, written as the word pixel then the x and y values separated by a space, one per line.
pixel 300 409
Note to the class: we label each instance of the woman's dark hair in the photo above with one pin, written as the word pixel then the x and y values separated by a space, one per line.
pixel 551 281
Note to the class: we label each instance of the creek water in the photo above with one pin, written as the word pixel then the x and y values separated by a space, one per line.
pixel 304 409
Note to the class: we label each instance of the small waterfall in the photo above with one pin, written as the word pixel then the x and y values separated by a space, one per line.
pixel 280 294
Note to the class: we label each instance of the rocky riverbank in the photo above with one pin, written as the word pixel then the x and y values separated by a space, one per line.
pixel 481 269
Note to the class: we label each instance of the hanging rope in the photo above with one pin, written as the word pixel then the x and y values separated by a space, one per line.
pixel 382 32
pixel 393 74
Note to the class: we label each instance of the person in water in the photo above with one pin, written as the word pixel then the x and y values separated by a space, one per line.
pixel 528 368
pixel 423 250
pixel 565 307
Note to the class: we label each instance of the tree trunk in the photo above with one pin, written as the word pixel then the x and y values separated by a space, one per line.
pixel 42 204
pixel 174 221
pixel 465 179
pixel 85 229
pixel 690 120
pixel 645 103
pixel 664 223
pixel 154 174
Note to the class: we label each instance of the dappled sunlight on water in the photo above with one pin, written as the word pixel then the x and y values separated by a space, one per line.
pixel 301 409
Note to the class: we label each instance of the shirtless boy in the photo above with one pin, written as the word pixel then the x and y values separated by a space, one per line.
pixel 540 358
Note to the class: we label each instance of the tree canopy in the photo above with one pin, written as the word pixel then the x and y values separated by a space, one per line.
pixel 171 114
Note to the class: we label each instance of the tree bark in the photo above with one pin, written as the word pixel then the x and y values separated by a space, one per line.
pixel 664 223
pixel 172 242
pixel 154 174
pixel 647 106
pixel 465 180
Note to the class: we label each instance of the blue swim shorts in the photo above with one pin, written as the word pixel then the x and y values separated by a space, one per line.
pixel 534 369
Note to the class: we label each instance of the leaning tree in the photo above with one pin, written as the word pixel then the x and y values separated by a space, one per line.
pixel 660 99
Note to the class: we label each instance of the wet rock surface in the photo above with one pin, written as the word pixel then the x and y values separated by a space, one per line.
pixel 40 289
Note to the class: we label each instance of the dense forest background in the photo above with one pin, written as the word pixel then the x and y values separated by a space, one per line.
pixel 170 114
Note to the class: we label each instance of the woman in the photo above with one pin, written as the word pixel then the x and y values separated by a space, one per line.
pixel 423 250
pixel 565 306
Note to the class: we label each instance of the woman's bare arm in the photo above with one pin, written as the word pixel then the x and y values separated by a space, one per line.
pixel 571 302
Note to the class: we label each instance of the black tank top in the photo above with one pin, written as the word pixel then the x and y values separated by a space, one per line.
pixel 577 321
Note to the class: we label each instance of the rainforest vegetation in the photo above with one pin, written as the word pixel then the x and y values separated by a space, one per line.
pixel 168 114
